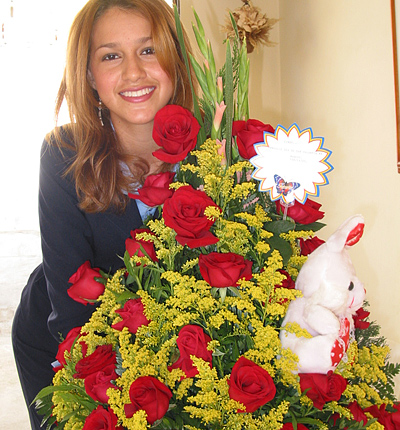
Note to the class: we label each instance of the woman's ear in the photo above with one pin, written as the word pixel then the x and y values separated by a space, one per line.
pixel 91 79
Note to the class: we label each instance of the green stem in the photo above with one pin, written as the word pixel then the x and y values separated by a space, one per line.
pixel 229 103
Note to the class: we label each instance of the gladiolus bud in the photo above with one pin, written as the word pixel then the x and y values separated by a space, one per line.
pixel 220 90
pixel 219 112
pixel 221 150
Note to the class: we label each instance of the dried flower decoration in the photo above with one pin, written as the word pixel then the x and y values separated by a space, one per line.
pixel 252 24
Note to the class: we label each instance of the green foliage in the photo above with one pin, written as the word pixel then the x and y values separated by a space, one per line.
pixel 371 336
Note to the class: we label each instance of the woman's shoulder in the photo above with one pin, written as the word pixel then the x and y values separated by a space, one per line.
pixel 58 146
pixel 57 153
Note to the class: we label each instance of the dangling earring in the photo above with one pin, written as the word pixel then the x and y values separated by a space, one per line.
pixel 99 109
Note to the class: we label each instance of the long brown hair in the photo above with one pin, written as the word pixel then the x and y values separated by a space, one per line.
pixel 99 181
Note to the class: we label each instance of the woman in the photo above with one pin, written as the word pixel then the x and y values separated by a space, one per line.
pixel 123 64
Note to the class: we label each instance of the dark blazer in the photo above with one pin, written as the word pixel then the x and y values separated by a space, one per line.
pixel 69 238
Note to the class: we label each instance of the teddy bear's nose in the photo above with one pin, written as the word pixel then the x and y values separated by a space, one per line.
pixel 351 286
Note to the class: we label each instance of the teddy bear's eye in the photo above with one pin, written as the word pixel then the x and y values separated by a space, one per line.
pixel 351 286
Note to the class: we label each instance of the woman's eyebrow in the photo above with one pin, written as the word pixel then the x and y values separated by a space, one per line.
pixel 116 44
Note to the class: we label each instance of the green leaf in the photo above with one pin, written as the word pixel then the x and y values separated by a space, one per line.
pixel 211 62
pixel 201 77
pixel 199 25
pixel 235 292
pixel 229 103
pixel 126 295
pixel 282 246
pixel 128 264
pixel 50 390
pixel 243 85
pixel 200 39
pixel 222 294
pixel 315 226
pixel 234 25
pixel 211 84
pixel 278 227
pixel 217 353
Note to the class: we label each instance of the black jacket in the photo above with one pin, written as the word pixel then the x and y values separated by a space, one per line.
pixel 69 237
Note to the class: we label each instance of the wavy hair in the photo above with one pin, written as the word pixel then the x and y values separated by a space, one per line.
pixel 96 167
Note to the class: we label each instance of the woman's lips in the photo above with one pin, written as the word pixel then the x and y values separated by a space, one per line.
pixel 137 95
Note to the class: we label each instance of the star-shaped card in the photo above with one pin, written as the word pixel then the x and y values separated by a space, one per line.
pixel 291 164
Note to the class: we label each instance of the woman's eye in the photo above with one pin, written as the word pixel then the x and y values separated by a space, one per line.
pixel 110 57
pixel 148 51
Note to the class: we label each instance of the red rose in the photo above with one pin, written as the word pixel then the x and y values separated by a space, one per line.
pixel 101 357
pixel 306 213
pixel 247 134
pixel 379 412
pixel 224 270
pixel 358 318
pixel 287 283
pixel 101 419
pixel 191 341
pixel 184 212
pixel 133 245
pixel 175 129
pixel 66 345
pixel 357 412
pixel 132 316
pixel 390 420
pixel 155 189
pixel 251 385
pixel 355 409
pixel 289 426
pixel 149 394
pixel 309 245
pixel 97 384
pixel 322 388
pixel 85 288
pixel 395 416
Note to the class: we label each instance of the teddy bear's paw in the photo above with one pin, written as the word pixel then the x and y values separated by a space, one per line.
pixel 341 344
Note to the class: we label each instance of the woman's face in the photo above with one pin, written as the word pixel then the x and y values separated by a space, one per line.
pixel 125 71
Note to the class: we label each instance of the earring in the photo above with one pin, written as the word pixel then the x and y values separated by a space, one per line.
pixel 99 109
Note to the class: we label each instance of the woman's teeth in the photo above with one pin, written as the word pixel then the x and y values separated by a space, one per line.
pixel 138 93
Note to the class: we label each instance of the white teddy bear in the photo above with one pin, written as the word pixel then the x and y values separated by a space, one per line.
pixel 332 293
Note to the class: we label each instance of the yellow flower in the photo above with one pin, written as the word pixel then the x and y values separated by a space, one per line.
pixel 212 213
pixel 241 191
pixel 262 247
pixel 295 328
pixel 189 265
pixel 336 408
pixel 274 418
pixel 138 421
pixel 233 235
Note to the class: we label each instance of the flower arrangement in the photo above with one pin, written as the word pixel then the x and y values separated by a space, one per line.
pixel 186 335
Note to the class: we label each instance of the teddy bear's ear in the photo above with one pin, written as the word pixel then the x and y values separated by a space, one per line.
pixel 348 234
pixel 355 235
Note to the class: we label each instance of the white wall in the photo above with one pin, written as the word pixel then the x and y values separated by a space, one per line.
pixel 337 77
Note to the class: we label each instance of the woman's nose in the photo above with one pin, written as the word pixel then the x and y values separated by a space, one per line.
pixel 133 68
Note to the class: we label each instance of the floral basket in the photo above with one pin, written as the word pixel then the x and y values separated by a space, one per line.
pixel 186 335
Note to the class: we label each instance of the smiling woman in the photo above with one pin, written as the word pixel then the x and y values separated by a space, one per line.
pixel 127 75
pixel 124 63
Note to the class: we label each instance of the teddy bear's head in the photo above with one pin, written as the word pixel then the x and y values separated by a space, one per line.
pixel 328 277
